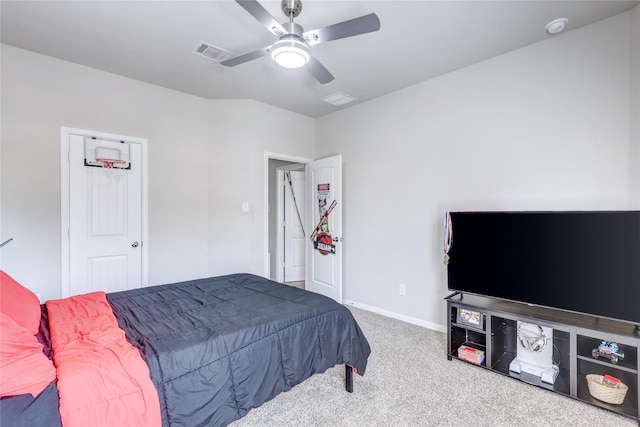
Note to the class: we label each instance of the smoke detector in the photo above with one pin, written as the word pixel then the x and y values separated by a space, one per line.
pixel 557 25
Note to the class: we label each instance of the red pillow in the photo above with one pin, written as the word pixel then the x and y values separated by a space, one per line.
pixel 24 367
pixel 19 303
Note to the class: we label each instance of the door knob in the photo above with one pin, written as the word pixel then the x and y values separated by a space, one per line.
pixel 134 244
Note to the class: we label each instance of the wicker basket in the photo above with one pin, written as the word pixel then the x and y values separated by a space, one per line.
pixel 613 395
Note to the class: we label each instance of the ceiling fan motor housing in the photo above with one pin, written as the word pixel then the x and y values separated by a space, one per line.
pixel 292 29
pixel 291 8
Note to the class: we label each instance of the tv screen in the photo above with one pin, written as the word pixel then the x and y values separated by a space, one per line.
pixel 586 262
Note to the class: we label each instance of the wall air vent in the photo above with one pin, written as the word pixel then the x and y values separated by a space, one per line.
pixel 211 52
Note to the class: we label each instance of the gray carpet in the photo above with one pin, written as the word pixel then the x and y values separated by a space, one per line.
pixel 410 382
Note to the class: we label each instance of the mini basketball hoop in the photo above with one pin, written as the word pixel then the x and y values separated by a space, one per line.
pixel 113 167
pixel 112 156
pixel 111 163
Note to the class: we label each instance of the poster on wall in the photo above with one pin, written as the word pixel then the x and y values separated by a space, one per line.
pixel 322 240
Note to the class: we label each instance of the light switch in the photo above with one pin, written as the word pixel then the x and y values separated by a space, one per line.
pixel 245 206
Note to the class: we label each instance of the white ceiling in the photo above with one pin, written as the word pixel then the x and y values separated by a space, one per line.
pixel 153 41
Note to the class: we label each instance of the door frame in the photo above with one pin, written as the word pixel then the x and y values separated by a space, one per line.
pixel 280 197
pixel 273 156
pixel 65 137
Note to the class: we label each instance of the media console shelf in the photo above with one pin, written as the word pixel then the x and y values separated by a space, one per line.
pixel 493 330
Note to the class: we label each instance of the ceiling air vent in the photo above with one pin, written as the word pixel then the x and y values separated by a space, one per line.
pixel 212 52
pixel 338 99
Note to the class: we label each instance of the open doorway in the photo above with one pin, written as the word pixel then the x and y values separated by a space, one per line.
pixel 323 196
pixel 286 219
pixel 291 225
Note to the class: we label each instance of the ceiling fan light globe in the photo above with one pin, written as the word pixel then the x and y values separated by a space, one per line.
pixel 290 53
pixel 291 58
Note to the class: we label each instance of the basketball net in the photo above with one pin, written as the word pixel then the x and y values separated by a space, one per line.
pixel 114 168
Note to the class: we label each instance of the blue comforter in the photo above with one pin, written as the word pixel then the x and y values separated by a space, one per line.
pixel 220 346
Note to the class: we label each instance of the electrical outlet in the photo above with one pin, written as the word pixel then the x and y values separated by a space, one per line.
pixel 402 289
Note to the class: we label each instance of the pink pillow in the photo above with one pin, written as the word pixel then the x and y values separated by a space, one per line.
pixel 19 303
pixel 24 367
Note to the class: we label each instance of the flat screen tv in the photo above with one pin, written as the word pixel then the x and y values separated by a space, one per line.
pixel 585 262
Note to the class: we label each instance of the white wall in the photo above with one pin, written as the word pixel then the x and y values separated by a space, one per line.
pixel 241 133
pixel 205 158
pixel 545 127
pixel 39 95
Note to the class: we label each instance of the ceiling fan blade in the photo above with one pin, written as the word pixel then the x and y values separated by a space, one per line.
pixel 319 72
pixel 353 27
pixel 232 62
pixel 257 11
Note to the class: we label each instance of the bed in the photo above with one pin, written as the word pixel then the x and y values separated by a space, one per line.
pixel 217 347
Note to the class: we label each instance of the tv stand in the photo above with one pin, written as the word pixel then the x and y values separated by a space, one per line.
pixel 458 293
pixel 490 326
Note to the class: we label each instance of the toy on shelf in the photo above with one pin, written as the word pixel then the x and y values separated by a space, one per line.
pixel 609 350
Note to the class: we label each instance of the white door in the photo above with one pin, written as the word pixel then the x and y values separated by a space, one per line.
pixel 105 221
pixel 324 254
pixel 294 241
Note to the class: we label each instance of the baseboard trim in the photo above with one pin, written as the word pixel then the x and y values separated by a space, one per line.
pixel 397 316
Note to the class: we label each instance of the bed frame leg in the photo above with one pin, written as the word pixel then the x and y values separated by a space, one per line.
pixel 348 378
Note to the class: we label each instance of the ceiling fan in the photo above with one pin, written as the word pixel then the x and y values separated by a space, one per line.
pixel 292 48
